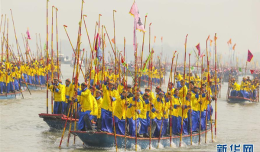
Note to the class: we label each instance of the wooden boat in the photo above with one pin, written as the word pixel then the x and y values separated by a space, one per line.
pixel 34 86
pixel 106 140
pixel 236 99
pixel 57 121
pixel 12 95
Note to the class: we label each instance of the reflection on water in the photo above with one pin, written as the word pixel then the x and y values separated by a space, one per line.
pixel 23 130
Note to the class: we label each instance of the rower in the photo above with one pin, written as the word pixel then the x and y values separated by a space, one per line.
pixel 119 113
pixel 88 108
pixel 68 91
pixel 144 116
pixel 59 95
pixel 109 97
pixel 99 100
pixel 133 112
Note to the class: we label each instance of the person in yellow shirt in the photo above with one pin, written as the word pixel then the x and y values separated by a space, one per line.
pixel 133 113
pixel 99 100
pixel 174 112
pixel 88 108
pixel 195 109
pixel 120 113
pixel 59 95
pixel 159 110
pixel 109 97
pixel 186 105
pixel 144 116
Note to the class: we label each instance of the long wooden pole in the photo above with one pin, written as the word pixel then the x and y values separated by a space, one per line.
pixel 15 36
pixel 142 51
pixel 57 42
pixel 52 65
pixel 208 76
pixel 215 85
pixel 47 55
pixel 190 106
pixel 201 97
pixel 2 56
pixel 183 90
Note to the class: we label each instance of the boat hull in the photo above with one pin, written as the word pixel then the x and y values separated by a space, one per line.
pixel 238 99
pixel 106 140
pixel 57 121
pixel 10 95
pixel 34 87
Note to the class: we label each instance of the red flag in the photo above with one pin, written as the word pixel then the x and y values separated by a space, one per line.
pixel 252 71
pixel 234 46
pixel 113 40
pixel 249 56
pixel 229 42
pixel 198 48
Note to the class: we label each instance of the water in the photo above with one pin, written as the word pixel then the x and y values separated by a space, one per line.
pixel 23 130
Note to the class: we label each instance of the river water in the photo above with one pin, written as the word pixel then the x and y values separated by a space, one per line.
pixel 21 129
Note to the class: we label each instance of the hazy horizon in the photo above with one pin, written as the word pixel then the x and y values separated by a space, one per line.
pixel 172 19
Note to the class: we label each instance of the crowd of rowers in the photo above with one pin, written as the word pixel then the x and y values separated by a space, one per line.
pixel 247 88
pixel 13 75
pixel 134 109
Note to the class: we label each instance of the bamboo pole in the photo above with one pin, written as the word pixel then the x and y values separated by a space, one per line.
pixel 190 105
pixel 183 90
pixel 215 85
pixel 57 41
pixel 52 65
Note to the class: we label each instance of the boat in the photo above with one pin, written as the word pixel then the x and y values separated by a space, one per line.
pixel 34 86
pixel 107 140
pixel 57 121
pixel 11 95
pixel 236 99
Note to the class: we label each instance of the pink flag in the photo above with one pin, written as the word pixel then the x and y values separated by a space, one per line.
pixel 135 12
pixel 198 48
pixel 28 34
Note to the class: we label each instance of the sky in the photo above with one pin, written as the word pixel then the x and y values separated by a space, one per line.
pixel 171 19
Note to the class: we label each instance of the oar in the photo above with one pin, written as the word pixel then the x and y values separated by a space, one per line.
pixel 64 128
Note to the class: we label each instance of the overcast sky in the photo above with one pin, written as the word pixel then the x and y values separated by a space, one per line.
pixel 172 19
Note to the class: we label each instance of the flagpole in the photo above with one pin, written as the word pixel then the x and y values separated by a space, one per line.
pixel 142 49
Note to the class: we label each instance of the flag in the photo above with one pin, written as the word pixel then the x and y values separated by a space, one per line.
pixel 146 61
pixel 249 56
pixel 198 48
pixel 229 42
pixel 135 12
pixel 113 40
pixel 252 71
pixel 28 34
pixel 97 42
pixel 240 69
pixel 234 46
